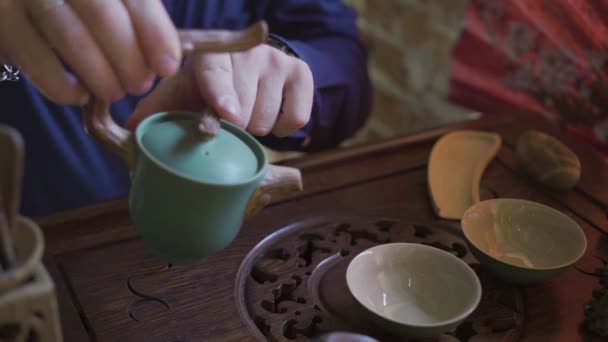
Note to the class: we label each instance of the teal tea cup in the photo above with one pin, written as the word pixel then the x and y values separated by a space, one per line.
pixel 189 195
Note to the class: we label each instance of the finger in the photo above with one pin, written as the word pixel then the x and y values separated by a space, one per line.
pixel 267 104
pixel 213 73
pixel 156 34
pixel 246 76
pixel 35 58
pixel 110 24
pixel 174 93
pixel 297 103
pixel 67 35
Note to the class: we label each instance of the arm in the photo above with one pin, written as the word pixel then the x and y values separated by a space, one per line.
pixel 324 35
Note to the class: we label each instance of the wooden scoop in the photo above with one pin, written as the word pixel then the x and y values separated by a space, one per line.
pixel 11 170
pixel 98 121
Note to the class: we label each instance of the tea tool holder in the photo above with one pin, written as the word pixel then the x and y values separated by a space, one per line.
pixel 28 304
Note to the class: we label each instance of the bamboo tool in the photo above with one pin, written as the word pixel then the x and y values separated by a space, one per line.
pixel 456 165
pixel 11 169
pixel 97 119
pixel 7 255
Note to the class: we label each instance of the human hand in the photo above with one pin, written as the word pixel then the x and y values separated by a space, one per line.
pixel 113 46
pixel 261 89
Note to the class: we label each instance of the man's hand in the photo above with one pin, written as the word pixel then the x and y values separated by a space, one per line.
pixel 262 90
pixel 112 46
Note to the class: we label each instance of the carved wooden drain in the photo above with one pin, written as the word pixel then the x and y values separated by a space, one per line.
pixel 292 285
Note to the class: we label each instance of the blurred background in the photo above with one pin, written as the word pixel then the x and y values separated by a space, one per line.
pixel 409 44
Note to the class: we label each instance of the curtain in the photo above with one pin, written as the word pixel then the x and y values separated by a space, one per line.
pixel 543 56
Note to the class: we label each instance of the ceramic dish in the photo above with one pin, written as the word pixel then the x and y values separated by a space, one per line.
pixel 522 241
pixel 413 290
pixel 456 164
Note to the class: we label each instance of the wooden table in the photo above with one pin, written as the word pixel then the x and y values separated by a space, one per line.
pixel 99 262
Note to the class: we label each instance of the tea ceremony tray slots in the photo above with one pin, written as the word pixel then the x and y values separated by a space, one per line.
pixel 283 276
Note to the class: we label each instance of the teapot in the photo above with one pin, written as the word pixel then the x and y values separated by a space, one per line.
pixel 195 178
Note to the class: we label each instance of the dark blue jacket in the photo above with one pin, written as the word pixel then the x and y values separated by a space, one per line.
pixel 66 169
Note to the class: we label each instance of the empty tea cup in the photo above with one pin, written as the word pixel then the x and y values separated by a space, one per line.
pixel 413 290
pixel 522 241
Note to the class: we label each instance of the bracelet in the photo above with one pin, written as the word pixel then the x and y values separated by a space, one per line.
pixel 9 74
pixel 278 44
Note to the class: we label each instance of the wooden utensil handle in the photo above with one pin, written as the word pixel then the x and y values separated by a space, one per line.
pixel 99 124
pixel 280 181
pixel 97 119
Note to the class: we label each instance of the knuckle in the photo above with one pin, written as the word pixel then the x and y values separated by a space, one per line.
pixel 302 71
pixel 299 120
pixel 277 58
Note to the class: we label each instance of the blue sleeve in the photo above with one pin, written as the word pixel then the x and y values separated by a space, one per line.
pixel 324 34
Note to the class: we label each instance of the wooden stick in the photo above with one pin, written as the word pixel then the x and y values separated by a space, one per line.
pixel 223 40
pixel 7 251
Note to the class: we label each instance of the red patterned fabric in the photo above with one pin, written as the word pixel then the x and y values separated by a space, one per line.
pixel 545 56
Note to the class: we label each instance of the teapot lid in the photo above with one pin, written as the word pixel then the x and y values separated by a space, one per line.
pixel 178 145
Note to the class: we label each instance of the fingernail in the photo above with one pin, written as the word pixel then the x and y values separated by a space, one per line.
pixel 168 65
pixel 230 105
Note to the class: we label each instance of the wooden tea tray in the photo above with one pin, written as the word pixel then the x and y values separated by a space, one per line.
pixel 111 288
pixel 292 285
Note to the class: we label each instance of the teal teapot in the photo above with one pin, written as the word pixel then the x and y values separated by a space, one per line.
pixel 195 178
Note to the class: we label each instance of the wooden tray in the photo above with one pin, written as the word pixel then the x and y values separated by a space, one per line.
pixel 291 286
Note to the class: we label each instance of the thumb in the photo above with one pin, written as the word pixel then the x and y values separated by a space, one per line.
pixel 175 93
pixel 213 73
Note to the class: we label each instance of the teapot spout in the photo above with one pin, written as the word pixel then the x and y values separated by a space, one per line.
pixel 279 181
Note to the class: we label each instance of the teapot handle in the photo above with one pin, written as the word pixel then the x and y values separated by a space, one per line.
pixel 279 181
pixel 98 121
